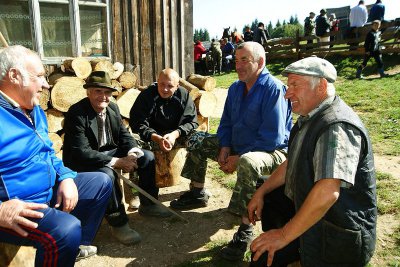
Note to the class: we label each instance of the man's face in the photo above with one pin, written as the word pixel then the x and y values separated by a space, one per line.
pixel 33 80
pixel 246 67
pixel 166 86
pixel 99 98
pixel 303 98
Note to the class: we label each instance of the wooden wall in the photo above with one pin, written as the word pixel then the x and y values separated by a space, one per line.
pixel 150 35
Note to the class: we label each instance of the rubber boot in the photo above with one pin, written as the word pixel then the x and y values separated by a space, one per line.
pixel 125 235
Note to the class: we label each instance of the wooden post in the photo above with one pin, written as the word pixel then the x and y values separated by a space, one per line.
pixel 169 166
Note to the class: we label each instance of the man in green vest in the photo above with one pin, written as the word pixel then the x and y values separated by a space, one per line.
pixel 319 206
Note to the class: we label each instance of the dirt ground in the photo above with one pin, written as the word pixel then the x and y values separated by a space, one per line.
pixel 168 242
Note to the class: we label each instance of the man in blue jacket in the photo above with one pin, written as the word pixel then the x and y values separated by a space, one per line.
pixel 42 203
pixel 252 139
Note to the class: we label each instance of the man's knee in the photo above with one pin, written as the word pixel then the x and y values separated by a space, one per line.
pixel 146 159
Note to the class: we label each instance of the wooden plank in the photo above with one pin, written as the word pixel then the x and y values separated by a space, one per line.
pixel 117 48
pixel 127 31
pixel 188 19
pixel 166 33
pixel 146 52
pixel 158 38
pixel 135 53
pixel 174 35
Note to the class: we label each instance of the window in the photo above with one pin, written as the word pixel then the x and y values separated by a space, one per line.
pixel 57 28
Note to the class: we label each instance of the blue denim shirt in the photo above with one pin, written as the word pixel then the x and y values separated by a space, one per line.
pixel 260 120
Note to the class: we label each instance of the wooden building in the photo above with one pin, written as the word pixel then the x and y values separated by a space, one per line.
pixel 144 35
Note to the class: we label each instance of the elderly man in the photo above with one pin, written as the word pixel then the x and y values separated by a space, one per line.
pixel 164 114
pixel 42 203
pixel 252 140
pixel 321 202
pixel 96 140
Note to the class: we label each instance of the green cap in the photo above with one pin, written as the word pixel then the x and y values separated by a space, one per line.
pixel 99 79
pixel 312 66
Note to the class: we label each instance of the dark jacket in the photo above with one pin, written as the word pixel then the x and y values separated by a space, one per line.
pixel 322 26
pixel 152 114
pixel 261 36
pixel 346 235
pixel 81 147
pixel 372 39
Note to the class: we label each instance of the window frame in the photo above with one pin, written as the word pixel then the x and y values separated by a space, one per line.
pixel 75 26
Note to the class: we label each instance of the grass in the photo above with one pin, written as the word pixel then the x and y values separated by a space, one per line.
pixel 377 102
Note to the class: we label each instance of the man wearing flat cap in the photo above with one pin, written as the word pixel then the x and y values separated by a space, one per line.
pixel 96 140
pixel 319 206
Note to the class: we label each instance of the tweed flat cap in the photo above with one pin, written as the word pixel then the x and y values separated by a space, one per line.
pixel 312 66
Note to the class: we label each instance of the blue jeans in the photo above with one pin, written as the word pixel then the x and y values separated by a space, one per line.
pixel 59 234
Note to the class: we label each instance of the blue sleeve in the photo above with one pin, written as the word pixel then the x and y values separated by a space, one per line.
pixel 272 132
pixel 62 171
pixel 224 132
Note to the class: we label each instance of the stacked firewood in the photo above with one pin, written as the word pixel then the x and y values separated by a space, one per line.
pixel 66 88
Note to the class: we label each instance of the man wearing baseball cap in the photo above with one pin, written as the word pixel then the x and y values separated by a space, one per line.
pixel 96 140
pixel 319 206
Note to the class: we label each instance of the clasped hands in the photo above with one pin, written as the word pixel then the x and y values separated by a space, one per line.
pixel 166 142
pixel 227 163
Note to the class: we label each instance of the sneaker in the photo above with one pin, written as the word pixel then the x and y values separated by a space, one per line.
pixel 236 248
pixel 125 235
pixel 85 252
pixel 192 199
pixel 154 211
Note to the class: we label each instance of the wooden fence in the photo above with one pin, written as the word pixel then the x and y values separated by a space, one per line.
pixel 343 43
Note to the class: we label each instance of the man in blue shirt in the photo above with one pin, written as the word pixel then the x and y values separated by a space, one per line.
pixel 377 11
pixel 252 139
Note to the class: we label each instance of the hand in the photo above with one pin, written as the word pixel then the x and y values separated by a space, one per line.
pixel 126 164
pixel 230 165
pixel 14 214
pixel 270 241
pixel 254 208
pixel 223 155
pixel 67 195
pixel 171 137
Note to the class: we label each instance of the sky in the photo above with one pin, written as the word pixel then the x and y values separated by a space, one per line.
pixel 214 15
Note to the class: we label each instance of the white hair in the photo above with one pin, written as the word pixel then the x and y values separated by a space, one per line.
pixel 15 57
pixel 314 82
pixel 257 51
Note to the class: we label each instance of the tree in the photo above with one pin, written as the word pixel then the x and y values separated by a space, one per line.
pixel 278 24
pixel 291 20
pixel 201 35
pixel 270 28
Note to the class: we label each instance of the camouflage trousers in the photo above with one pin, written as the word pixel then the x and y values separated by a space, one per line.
pixel 251 167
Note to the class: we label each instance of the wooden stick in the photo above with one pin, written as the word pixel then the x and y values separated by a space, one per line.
pixel 155 201
pixel 3 40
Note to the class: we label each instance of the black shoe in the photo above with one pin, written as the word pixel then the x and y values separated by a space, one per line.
pixel 195 198
pixel 236 248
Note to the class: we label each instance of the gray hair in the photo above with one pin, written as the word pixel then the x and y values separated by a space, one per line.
pixel 314 82
pixel 257 50
pixel 14 57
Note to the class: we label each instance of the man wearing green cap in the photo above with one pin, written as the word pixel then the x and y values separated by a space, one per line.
pixel 319 205
pixel 96 140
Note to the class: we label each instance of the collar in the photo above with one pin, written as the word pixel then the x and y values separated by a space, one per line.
pixel 9 100
pixel 328 101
